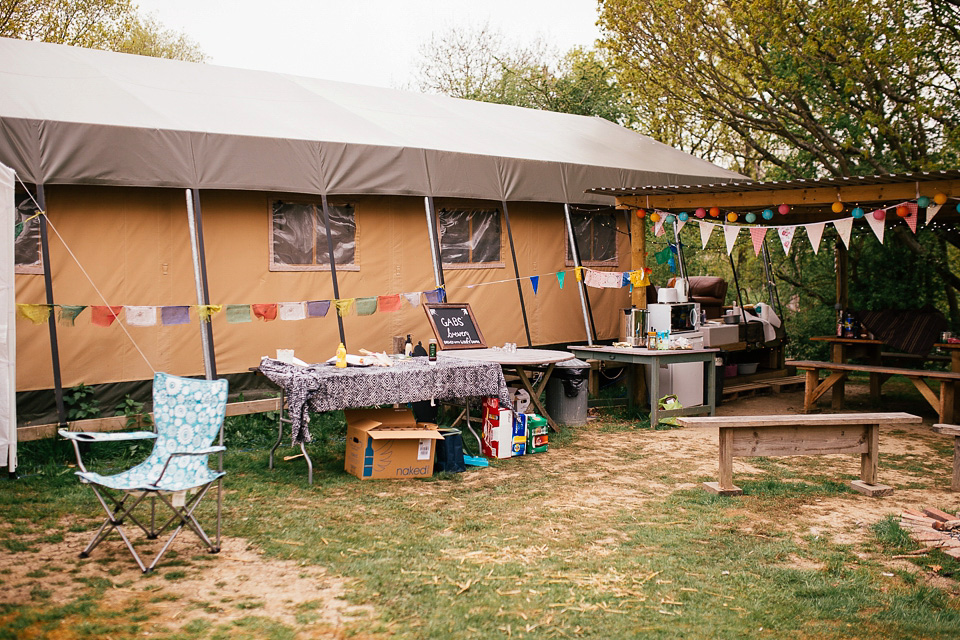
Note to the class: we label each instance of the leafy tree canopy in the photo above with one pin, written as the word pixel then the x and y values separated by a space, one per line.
pixel 113 25
pixel 793 88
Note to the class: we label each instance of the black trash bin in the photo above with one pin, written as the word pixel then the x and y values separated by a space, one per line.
pixel 567 392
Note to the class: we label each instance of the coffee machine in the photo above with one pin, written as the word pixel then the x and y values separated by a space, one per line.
pixel 633 326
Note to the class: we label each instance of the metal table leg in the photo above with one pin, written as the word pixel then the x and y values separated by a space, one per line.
pixel 535 392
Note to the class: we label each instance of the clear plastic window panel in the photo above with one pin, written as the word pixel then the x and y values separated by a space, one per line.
pixel 343 231
pixel 292 233
pixel 596 237
pixel 469 236
pixel 26 244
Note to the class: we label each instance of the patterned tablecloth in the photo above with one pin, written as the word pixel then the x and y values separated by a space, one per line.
pixel 324 387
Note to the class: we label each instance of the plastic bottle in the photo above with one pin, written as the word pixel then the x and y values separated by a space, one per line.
pixel 408 347
pixel 432 349
pixel 341 356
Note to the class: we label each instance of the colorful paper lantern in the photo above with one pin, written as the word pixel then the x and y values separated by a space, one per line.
pixel 683 216
pixel 731 217
pixel 902 211
pixel 857 213
pixel 700 212
pixel 751 217
pixel 783 209
pixel 837 207
pixel 958 207
pixel 767 214
pixel 940 198
pixel 671 219
pixel 923 202
pixel 641 213
pixel 879 214
pixel 654 217
pixel 715 211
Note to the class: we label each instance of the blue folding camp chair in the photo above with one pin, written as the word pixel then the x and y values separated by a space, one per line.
pixel 188 416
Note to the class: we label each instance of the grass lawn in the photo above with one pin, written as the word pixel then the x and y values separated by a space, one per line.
pixel 607 535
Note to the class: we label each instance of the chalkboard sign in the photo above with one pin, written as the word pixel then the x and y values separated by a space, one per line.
pixel 454 326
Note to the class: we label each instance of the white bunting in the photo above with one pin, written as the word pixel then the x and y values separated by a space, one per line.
pixel 814 234
pixel 730 233
pixel 658 225
pixel 291 311
pixel 932 211
pixel 877 225
pixel 786 237
pixel 680 224
pixel 844 227
pixel 706 229
pixel 141 316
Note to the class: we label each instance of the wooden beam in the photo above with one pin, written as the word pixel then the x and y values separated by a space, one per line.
pixel 863 194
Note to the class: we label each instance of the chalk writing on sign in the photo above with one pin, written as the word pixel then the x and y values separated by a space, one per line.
pixel 454 326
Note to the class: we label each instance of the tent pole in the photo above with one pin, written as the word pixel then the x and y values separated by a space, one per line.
pixel 435 244
pixel 772 292
pixel 333 264
pixel 584 297
pixel 736 280
pixel 516 272
pixel 52 320
pixel 195 223
pixel 681 261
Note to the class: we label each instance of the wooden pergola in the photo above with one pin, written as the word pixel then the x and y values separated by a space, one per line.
pixel 809 200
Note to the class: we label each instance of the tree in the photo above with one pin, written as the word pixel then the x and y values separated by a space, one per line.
pixel 794 88
pixel 113 25
pixel 477 64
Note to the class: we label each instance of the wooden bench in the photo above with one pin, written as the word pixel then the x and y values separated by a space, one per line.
pixel 815 388
pixel 801 435
pixel 952 430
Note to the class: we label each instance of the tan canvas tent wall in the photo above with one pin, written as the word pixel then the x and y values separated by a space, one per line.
pixel 114 139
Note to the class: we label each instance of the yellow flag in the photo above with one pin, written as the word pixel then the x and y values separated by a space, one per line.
pixel 207 311
pixel 579 273
pixel 35 313
pixel 344 306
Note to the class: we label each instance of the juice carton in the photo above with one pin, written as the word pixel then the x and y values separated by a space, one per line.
pixel 497 439
pixel 520 434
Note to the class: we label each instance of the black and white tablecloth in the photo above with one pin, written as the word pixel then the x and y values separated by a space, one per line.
pixel 324 387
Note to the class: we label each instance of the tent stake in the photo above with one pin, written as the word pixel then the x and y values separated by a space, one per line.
pixel 52 320
pixel 516 272
pixel 195 223
pixel 333 265
pixel 584 297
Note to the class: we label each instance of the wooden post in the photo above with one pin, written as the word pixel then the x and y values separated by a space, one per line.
pixel 725 487
pixel 812 381
pixel 839 355
pixel 638 256
pixel 868 460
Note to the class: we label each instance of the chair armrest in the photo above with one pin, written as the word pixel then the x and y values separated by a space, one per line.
pixel 98 436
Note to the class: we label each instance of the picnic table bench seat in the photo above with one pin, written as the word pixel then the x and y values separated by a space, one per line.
pixel 800 435
pixel 942 403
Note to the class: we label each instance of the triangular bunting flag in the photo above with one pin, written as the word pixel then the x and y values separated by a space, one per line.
pixel 844 227
pixel 658 229
pixel 877 225
pixel 730 233
pixel 69 313
pixel 911 218
pixel 932 211
pixel 814 234
pixel 786 237
pixel 680 224
pixel 757 234
pixel 560 276
pixel 706 229
pixel 535 281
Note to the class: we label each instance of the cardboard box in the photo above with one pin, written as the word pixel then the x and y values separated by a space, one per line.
pixel 519 434
pixel 537 433
pixel 389 443
pixel 497 440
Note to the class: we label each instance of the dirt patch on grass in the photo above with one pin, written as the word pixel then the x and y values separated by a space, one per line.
pixel 190 585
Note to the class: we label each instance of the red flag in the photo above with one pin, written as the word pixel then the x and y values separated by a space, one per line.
pixel 104 316
pixel 267 312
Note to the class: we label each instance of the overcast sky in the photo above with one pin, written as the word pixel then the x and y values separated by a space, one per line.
pixel 370 42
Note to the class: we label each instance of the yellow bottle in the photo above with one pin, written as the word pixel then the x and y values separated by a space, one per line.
pixel 341 356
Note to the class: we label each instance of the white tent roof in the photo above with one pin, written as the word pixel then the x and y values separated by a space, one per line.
pixel 81 116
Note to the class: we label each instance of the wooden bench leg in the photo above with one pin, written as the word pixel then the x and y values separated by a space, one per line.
pixel 810 385
pixel 947 393
pixel 867 484
pixel 725 487
pixel 955 483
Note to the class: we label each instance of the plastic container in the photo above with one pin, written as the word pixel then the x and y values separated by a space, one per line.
pixel 730 370
pixel 567 392
pixel 747 368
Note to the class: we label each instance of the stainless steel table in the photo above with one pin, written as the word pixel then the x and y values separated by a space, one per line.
pixel 637 356
pixel 519 362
